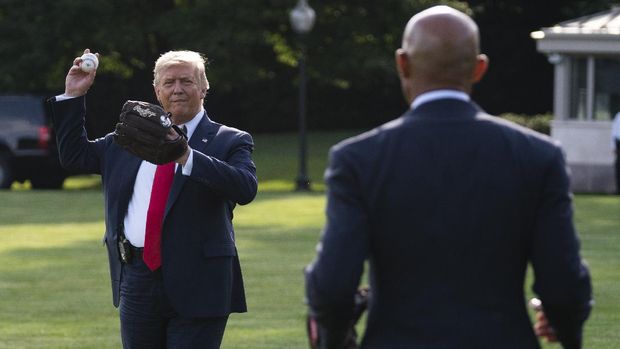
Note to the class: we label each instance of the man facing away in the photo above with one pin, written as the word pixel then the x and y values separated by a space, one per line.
pixel 182 298
pixel 448 205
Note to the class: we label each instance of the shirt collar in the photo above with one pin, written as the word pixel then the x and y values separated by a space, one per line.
pixel 193 123
pixel 439 94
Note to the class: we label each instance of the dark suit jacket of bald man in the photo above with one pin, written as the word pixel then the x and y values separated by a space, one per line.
pixel 200 267
pixel 449 205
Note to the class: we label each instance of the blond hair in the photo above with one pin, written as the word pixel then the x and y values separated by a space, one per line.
pixel 172 58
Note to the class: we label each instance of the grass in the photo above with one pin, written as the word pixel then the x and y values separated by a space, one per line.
pixel 598 222
pixel 276 158
pixel 54 284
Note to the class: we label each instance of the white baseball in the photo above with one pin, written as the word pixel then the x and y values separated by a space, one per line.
pixel 535 304
pixel 89 62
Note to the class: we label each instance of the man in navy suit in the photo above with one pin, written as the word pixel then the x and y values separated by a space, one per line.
pixel 184 303
pixel 448 205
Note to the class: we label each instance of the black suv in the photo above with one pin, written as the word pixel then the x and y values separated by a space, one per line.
pixel 27 145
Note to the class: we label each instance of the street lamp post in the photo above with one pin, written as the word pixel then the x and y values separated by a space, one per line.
pixel 302 20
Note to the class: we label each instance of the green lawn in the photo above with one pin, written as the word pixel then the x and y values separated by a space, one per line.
pixel 54 285
pixel 276 158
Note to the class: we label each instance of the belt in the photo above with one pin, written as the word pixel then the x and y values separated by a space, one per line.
pixel 128 252
pixel 136 251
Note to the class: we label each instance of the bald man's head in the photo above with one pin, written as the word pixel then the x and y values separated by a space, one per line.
pixel 441 46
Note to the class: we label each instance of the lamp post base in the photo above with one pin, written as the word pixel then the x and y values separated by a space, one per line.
pixel 302 184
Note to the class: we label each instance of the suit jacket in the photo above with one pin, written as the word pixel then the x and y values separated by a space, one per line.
pixel 449 205
pixel 200 267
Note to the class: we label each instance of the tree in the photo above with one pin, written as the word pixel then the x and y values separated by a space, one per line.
pixel 520 79
pixel 253 55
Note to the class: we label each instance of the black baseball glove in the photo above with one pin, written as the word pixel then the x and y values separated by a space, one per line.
pixel 316 333
pixel 144 129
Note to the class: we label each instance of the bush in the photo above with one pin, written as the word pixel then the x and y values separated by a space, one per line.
pixel 540 122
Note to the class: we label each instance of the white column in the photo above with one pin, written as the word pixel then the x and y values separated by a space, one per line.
pixel 590 89
pixel 561 86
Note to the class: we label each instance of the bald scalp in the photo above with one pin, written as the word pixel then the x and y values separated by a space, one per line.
pixel 442 44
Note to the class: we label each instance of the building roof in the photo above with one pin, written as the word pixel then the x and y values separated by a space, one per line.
pixel 602 23
pixel 595 33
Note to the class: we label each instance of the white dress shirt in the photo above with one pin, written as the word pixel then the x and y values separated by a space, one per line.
pixel 135 220
pixel 615 131
pixel 439 94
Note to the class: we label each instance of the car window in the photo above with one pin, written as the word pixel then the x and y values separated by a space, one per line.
pixel 22 108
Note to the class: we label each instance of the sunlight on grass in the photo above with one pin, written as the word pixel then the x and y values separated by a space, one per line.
pixel 57 271
pixel 58 275
pixel 54 278
pixel 53 265
pixel 280 185
pixel 281 210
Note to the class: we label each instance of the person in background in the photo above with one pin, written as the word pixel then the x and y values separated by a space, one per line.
pixel 182 294
pixel 448 205
pixel 615 146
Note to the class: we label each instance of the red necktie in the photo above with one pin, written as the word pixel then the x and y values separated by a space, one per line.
pixel 155 214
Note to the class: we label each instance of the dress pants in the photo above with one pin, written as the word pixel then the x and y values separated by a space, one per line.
pixel 149 322
pixel 617 167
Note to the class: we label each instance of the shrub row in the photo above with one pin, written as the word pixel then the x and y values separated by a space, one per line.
pixel 540 122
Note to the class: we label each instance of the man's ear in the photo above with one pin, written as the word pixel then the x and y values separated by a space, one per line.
pixel 482 64
pixel 402 63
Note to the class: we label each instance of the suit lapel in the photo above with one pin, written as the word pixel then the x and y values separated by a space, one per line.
pixel 126 183
pixel 201 138
pixel 204 133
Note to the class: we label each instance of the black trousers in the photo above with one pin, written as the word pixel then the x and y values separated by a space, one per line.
pixel 617 166
pixel 149 322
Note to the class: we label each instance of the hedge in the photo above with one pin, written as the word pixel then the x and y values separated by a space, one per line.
pixel 540 122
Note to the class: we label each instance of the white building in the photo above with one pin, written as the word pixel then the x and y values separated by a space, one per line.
pixel 586 55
